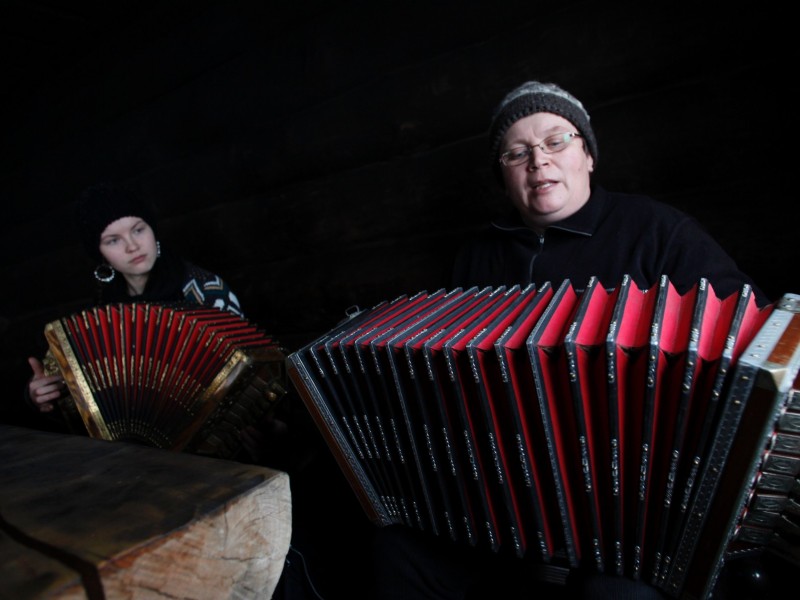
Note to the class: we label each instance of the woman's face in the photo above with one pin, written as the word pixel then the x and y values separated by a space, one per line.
pixel 548 187
pixel 129 245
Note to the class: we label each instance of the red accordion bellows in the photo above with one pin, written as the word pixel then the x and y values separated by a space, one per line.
pixel 584 427
pixel 163 375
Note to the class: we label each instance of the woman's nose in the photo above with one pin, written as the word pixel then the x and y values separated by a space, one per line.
pixel 538 158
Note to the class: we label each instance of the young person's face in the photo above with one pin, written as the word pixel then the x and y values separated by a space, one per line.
pixel 129 245
pixel 546 188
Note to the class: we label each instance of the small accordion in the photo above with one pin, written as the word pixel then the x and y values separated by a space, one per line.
pixel 637 432
pixel 183 378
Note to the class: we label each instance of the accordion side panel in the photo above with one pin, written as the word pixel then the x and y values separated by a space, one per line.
pixel 366 423
pixel 759 388
pixel 772 505
pixel 245 389
pixel 717 427
pixel 330 384
pixel 75 379
pixel 775 509
pixel 330 426
pixel 375 418
pixel 311 379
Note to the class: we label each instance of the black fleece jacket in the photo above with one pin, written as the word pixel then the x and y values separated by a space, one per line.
pixel 612 235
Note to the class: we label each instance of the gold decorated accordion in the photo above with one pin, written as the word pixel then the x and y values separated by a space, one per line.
pixel 639 432
pixel 173 377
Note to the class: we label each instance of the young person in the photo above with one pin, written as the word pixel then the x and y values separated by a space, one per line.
pixel 120 231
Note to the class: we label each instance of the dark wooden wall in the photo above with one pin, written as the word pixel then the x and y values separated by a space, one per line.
pixel 323 155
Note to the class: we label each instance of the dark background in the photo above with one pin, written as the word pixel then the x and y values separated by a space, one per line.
pixel 323 155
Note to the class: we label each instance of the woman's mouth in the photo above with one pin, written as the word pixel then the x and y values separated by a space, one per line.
pixel 541 186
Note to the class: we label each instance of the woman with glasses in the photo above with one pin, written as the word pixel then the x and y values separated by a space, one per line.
pixel 561 226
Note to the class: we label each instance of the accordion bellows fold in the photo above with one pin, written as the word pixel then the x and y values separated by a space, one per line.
pixel 173 377
pixel 617 429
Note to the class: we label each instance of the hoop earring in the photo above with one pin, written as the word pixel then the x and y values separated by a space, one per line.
pixel 158 249
pixel 104 273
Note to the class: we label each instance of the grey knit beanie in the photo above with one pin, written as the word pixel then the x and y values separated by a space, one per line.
pixel 533 97
pixel 102 204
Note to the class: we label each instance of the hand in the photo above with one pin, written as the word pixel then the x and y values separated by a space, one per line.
pixel 43 389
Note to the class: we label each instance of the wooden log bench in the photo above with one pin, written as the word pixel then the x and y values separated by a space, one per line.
pixel 83 518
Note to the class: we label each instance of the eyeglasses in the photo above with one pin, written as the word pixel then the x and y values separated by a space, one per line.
pixel 550 145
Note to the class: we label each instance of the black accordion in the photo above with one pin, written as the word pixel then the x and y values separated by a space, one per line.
pixel 183 378
pixel 639 432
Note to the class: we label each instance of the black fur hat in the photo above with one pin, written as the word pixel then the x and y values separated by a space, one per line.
pixel 102 204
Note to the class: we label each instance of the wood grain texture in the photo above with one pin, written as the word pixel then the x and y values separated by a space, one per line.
pixel 104 519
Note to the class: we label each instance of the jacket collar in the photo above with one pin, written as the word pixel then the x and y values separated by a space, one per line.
pixel 583 222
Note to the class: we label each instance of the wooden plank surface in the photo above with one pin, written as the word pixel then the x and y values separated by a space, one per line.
pixel 85 518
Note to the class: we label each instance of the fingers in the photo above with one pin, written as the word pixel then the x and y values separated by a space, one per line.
pixel 44 397
pixel 43 389
pixel 46 407
pixel 36 367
